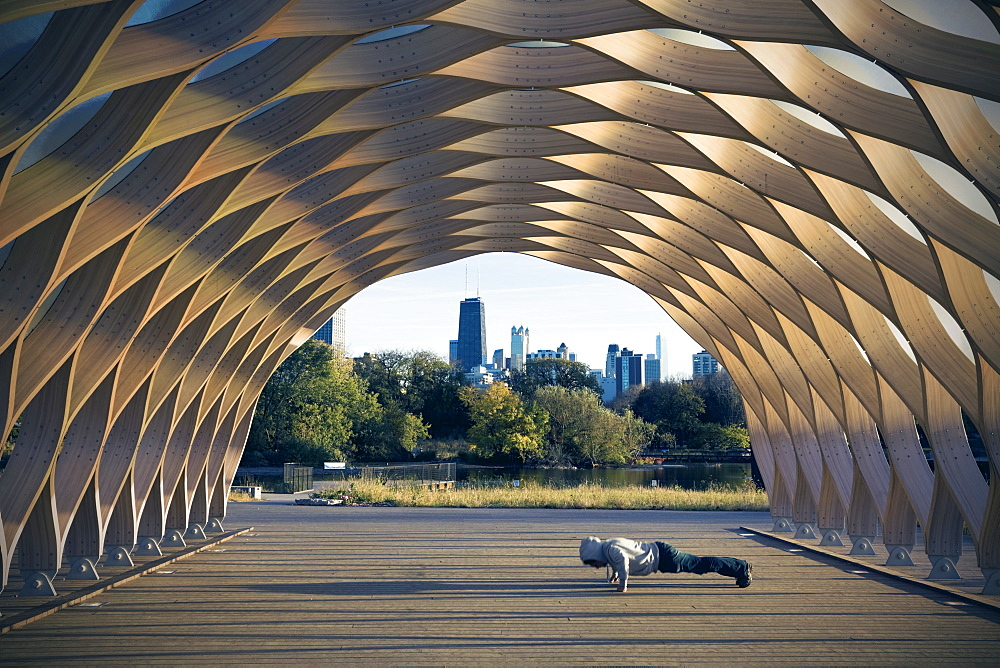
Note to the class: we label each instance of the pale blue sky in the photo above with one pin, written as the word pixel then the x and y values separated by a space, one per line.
pixel 587 311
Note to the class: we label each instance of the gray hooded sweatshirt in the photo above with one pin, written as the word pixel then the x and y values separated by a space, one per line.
pixel 626 556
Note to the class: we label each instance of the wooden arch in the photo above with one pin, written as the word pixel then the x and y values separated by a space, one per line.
pixel 188 190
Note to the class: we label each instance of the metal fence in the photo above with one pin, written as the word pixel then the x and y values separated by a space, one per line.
pixel 297 478
pixel 411 473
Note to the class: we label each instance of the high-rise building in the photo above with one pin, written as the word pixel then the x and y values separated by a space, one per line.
pixel 452 351
pixel 498 358
pixel 334 331
pixel 664 371
pixel 609 365
pixel 563 351
pixel 606 383
pixel 628 370
pixel 652 369
pixel 704 364
pixel 518 347
pixel 471 333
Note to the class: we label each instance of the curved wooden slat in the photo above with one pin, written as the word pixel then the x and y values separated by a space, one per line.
pixel 828 232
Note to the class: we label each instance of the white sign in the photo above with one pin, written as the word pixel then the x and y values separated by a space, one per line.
pixel 334 465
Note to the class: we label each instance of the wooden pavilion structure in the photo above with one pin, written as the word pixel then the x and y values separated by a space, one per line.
pixel 188 189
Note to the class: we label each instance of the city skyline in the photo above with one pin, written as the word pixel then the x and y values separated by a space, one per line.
pixel 587 311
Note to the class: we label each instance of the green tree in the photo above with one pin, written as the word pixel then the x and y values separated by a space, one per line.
pixel 723 404
pixel 712 436
pixel 623 402
pixel 673 407
pixel 420 383
pixel 309 409
pixel 389 434
pixel 502 425
pixel 636 434
pixel 582 431
pixel 552 371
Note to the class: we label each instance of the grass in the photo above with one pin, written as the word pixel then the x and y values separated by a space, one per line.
pixel 587 495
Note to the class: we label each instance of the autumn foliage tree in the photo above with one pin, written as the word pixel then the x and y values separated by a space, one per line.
pixel 502 424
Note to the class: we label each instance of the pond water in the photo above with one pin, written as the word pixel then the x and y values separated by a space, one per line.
pixel 686 476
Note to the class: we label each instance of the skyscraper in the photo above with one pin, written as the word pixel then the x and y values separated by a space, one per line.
pixel 628 370
pixel 518 347
pixel 609 365
pixel 704 364
pixel 652 369
pixel 471 333
pixel 333 332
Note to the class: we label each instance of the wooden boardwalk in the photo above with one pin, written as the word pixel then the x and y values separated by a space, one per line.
pixel 402 586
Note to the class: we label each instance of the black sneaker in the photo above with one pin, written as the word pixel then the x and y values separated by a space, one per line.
pixel 744 581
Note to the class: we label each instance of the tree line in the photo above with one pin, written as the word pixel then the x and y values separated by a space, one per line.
pixel 395 406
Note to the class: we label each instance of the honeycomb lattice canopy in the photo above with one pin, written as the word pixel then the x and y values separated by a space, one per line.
pixel 188 189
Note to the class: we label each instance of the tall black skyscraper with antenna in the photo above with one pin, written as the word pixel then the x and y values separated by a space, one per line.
pixel 471 333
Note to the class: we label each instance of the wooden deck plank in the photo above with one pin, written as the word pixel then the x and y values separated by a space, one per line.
pixel 392 586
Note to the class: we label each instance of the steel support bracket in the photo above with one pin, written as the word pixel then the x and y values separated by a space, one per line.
pixel 38 583
pixel 992 587
pixel 899 555
pixel 831 538
pixel 118 556
pixel 783 525
pixel 214 525
pixel 173 538
pixel 805 531
pixel 194 532
pixel 82 569
pixel 148 547
pixel 862 546
pixel 944 568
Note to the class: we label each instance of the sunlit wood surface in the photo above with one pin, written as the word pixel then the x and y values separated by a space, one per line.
pixel 810 188
pixel 408 586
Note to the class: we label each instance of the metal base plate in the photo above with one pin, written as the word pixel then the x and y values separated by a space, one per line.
pixel 944 569
pixel 118 556
pixel 783 525
pixel 38 583
pixel 173 538
pixel 992 587
pixel 899 555
pixel 82 569
pixel 863 546
pixel 831 538
pixel 148 547
pixel 805 531
pixel 194 532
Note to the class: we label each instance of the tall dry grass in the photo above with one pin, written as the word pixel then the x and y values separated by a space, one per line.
pixel 586 495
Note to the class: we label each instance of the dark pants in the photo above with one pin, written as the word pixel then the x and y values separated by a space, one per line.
pixel 673 560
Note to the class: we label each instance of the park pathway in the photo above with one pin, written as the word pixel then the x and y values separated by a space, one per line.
pixel 411 586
